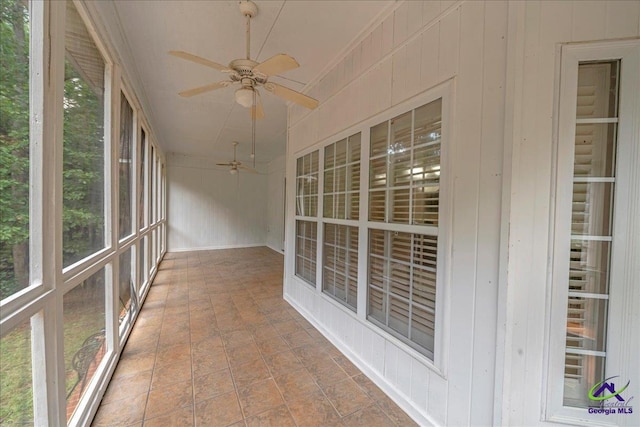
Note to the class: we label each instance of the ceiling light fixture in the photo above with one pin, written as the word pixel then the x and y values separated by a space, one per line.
pixel 244 97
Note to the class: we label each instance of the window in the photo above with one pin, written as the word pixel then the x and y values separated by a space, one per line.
pixel 84 145
pixel 597 187
pixel 14 149
pixel 125 167
pixel 340 264
pixel 307 208
pixel 404 191
pixel 306 241
pixel 342 179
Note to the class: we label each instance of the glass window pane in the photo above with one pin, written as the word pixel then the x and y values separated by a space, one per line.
pixel 125 167
pixel 592 208
pixel 307 185
pixel 127 291
pixel 597 90
pixel 340 264
pixel 409 170
pixel 14 148
pixel 16 389
pixel 306 238
pixel 595 150
pixel 589 266
pixel 142 264
pixel 587 323
pixel 84 147
pixel 581 373
pixel 402 286
pixel 142 207
pixel 84 338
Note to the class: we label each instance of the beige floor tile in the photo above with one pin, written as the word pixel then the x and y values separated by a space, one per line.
pixel 221 410
pixel 212 384
pixel 168 398
pixel 277 417
pixel 249 373
pixel 259 397
pixel 128 410
pixel 182 417
pixel 347 397
pixel 281 363
pixel 313 410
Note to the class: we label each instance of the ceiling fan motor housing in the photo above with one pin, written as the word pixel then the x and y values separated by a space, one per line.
pixel 248 8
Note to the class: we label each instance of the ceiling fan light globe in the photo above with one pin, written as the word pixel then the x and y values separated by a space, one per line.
pixel 244 97
pixel 233 171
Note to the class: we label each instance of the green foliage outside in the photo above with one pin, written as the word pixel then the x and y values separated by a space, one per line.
pixel 14 147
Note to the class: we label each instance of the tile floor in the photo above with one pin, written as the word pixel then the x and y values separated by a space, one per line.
pixel 216 345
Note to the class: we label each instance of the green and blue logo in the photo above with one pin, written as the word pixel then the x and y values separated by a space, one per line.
pixel 608 400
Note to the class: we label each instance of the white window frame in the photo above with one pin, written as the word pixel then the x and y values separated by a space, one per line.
pixel 622 340
pixel 444 91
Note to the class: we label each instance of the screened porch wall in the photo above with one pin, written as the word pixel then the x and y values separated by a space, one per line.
pixel 415 47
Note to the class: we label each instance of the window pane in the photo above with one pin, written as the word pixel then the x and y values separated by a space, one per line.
pixel 581 373
pixel 125 167
pixel 409 169
pixel 402 286
pixel 142 264
pixel 16 389
pixel 84 339
pixel 306 238
pixel 142 207
pixel 589 266
pixel 595 150
pixel 307 185
pixel 14 148
pixel 587 323
pixel 592 208
pixel 127 297
pixel 340 266
pixel 84 149
pixel 597 90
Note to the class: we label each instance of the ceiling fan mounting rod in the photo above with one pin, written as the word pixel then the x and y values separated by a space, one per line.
pixel 248 9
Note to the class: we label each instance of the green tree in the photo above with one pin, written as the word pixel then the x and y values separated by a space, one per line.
pixel 14 147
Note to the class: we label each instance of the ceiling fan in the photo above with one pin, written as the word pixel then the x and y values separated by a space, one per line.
pixel 250 74
pixel 234 165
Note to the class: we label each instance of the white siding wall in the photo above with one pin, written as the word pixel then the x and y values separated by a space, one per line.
pixel 538 28
pixel 275 204
pixel 210 208
pixel 419 45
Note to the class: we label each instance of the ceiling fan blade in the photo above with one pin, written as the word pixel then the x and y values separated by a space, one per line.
pixel 291 95
pixel 205 88
pixel 248 169
pixel 276 64
pixel 256 111
pixel 224 164
pixel 198 60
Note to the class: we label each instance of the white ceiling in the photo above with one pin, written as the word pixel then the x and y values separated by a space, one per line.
pixel 313 32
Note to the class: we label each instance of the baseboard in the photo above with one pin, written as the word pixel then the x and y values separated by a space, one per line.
pixel 413 412
pixel 211 248
pixel 280 251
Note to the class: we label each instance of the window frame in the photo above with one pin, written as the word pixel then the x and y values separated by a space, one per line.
pixel 620 295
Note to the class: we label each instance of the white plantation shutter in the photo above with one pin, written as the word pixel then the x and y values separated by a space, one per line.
pixel 340 267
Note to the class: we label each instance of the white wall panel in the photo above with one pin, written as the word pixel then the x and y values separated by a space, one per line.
pixel 210 208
